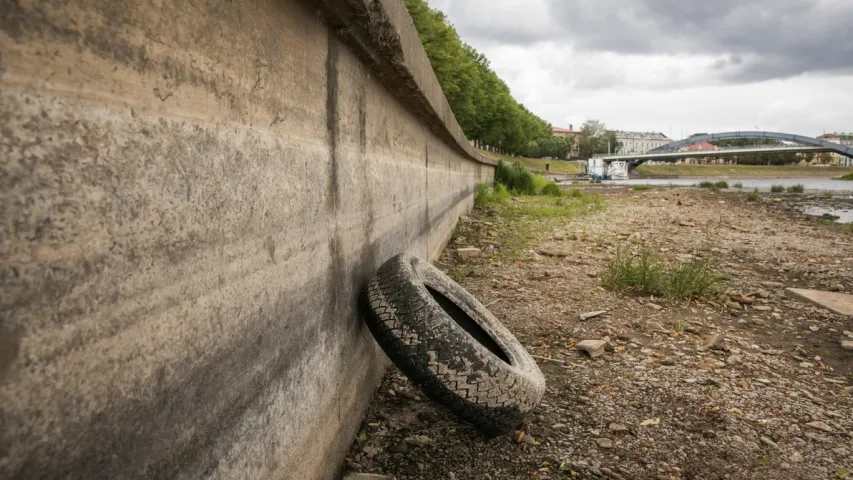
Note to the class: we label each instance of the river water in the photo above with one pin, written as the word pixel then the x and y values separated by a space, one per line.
pixel 762 184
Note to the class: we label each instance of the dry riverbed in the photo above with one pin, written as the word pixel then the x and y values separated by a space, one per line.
pixel 708 389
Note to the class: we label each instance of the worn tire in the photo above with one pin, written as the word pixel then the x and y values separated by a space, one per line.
pixel 450 345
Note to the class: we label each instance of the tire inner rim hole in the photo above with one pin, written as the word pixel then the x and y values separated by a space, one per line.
pixel 468 324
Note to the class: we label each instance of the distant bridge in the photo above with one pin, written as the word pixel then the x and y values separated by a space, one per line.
pixel 671 151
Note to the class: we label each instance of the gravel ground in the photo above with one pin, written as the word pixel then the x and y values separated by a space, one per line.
pixel 707 389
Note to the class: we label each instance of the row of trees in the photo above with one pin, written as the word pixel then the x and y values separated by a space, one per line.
pixel 481 101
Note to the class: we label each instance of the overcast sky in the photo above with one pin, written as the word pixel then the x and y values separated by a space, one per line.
pixel 674 66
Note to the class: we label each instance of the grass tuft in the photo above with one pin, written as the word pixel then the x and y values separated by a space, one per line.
pixel 646 273
pixel 849 176
pixel 552 190
pixel 487 195
pixel 798 188
pixel 827 194
pixel 777 188
pixel 752 196
pixel 642 187
pixel 737 185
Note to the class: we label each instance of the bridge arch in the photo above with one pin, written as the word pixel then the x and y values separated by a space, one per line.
pixel 784 137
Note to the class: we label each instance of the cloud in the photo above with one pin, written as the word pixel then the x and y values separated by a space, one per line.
pixel 751 40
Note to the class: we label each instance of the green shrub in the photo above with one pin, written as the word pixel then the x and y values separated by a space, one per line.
pixel 642 187
pixel 722 184
pixel 849 176
pixel 551 189
pixel 796 189
pixel 705 185
pixel 515 177
pixel 752 196
pixel 539 184
pixel 574 193
pixel 737 185
pixel 777 188
pixel 827 194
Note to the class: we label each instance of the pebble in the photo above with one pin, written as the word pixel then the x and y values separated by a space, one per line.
pixel 742 299
pixel 814 328
pixel 559 426
pixel 468 253
pixel 820 426
pixel 714 342
pixel 768 442
pixel 847 345
pixel 733 360
pixel 588 315
pixel 655 327
pixel 762 308
pixel 617 428
pixel 604 442
pixel 796 457
pixel 418 440
pixel 764 381
pixel 654 306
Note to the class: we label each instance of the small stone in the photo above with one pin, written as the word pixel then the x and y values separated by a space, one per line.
pixel 686 223
pixel 604 442
pixel 760 293
pixel 772 284
pixel 742 299
pixel 655 327
pixel 617 428
pixel 814 328
pixel 847 345
pixel 768 442
pixel 366 476
pixel 806 365
pixel 418 440
pixel 733 360
pixel 765 381
pixel 759 322
pixel 762 308
pixel 370 452
pixel 559 426
pixel 715 342
pixel 847 334
pixel 796 457
pixel 399 447
pixel 837 288
pixel 588 315
pixel 468 253
pixel 595 348
pixel 820 426
pixel 654 306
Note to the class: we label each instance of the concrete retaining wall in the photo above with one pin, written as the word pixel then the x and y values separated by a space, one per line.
pixel 191 195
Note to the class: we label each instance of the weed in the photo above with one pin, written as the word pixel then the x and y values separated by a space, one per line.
pixel 574 193
pixel 764 460
pixel 710 389
pixel 705 185
pixel 827 194
pixel 688 280
pixel 777 188
pixel 752 196
pixel 722 184
pixel 642 187
pixel 798 188
pixel 679 325
pixel 737 185
pixel 849 176
pixel 516 178
pixel 459 273
pixel 647 274
pixel 539 185
pixel 486 195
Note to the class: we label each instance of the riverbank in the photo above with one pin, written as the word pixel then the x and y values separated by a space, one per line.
pixel 741 386
pixel 742 171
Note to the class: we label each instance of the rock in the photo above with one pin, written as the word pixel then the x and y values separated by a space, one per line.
pixel 588 315
pixel 654 306
pixel 814 328
pixel 847 345
pixel 655 327
pixel 399 447
pixel 796 457
pixel 595 348
pixel 772 284
pixel 604 442
pixel 366 476
pixel 733 360
pixel 742 299
pixel 820 426
pixel 762 308
pixel 759 322
pixel 714 343
pixel 418 440
pixel 765 381
pixel 617 428
pixel 837 288
pixel 760 293
pixel 686 223
pixel 768 442
pixel 693 329
pixel 559 426
pixel 554 251
pixel 468 253
pixel 847 334
pixel 370 452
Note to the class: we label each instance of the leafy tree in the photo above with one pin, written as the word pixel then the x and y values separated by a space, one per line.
pixel 596 139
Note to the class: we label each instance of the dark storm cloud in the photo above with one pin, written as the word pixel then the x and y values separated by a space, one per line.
pixel 753 40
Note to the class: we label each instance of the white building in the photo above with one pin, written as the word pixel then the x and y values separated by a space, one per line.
pixel 640 142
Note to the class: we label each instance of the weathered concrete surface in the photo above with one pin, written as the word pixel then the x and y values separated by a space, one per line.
pixel 192 195
pixel 837 302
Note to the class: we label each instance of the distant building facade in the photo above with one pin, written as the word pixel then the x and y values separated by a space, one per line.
pixel 568 132
pixel 842 139
pixel 640 142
